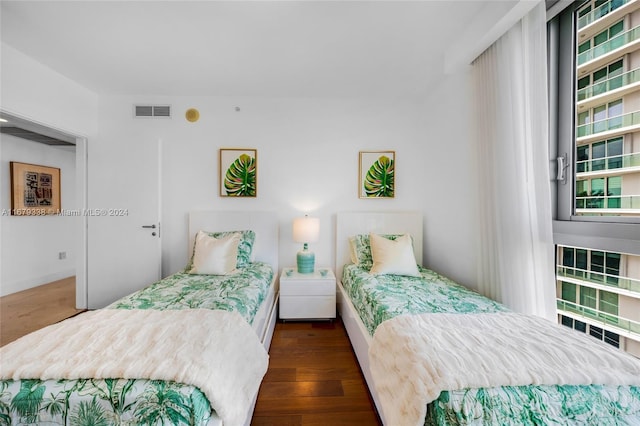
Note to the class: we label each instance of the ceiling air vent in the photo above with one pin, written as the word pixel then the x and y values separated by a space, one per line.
pixel 150 111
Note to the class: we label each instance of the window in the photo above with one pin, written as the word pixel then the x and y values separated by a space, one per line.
pixel 601 81
pixel 580 326
pixel 590 264
pixel 594 331
pixel 594 100
pixel 602 155
pixel 588 297
pixel 612 268
pixel 567 321
pixel 594 104
pixel 599 193
pixel 612 339
pixel 601 118
pixel 569 292
pixel 608 303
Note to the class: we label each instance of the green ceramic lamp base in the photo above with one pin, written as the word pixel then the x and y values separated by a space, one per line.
pixel 306 261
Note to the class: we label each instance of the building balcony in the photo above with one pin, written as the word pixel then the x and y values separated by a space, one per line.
pixel 606 52
pixel 607 90
pixel 608 205
pixel 607 321
pixel 600 11
pixel 626 286
pixel 603 17
pixel 608 128
pixel 607 166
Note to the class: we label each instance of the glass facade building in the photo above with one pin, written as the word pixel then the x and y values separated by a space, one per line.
pixel 598 292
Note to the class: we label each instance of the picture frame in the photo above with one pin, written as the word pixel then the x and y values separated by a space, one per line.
pixel 376 174
pixel 35 189
pixel 238 172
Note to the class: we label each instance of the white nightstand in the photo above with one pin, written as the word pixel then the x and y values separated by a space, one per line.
pixel 307 296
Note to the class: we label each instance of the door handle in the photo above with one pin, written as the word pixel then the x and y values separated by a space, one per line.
pixel 154 226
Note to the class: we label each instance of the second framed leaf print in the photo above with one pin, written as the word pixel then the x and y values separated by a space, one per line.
pixel 376 174
pixel 238 172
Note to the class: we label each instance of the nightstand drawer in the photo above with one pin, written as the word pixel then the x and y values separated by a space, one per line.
pixel 307 296
pixel 307 307
pixel 307 287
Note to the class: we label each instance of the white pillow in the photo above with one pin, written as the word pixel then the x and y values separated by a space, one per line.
pixel 215 256
pixel 393 257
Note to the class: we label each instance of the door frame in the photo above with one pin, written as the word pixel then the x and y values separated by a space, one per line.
pixel 82 243
pixel 81 184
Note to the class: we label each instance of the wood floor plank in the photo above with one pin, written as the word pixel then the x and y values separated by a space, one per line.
pixel 280 375
pixel 290 420
pixel 32 309
pixel 352 418
pixel 311 405
pixel 355 388
pixel 311 359
pixel 314 373
pixel 300 389
pixel 303 347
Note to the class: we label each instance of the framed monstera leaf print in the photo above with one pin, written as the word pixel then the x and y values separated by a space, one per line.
pixel 377 174
pixel 238 172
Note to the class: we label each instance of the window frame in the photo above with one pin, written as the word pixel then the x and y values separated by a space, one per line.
pixel 608 233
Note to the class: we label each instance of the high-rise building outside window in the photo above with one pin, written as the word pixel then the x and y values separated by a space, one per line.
pixel 594 76
pixel 607 108
pixel 595 289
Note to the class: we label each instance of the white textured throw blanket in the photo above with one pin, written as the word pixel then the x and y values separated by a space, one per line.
pixel 415 357
pixel 217 351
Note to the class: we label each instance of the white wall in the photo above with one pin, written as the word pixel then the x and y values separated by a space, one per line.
pixel 307 152
pixel 32 91
pixel 36 92
pixel 308 163
pixel 449 202
pixel 307 160
pixel 30 244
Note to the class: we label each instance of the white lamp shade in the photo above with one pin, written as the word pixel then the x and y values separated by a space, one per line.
pixel 306 229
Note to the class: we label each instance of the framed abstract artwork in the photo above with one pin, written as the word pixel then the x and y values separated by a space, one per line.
pixel 376 173
pixel 35 190
pixel 238 172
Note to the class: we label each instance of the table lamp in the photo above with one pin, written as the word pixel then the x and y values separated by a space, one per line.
pixel 306 230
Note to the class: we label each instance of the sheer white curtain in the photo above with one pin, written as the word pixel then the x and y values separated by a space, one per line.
pixel 515 239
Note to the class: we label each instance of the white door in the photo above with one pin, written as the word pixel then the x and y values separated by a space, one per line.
pixel 124 229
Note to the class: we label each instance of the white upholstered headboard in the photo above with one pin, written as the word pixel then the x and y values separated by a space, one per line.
pixel 263 223
pixel 352 223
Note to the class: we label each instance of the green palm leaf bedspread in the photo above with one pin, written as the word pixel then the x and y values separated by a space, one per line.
pixel 242 292
pixel 378 298
pixel 138 401
pixel 382 297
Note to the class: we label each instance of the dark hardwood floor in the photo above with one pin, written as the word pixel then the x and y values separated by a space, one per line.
pixel 313 379
pixel 313 376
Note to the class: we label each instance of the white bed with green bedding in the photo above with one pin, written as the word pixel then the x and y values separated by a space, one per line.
pixel 188 349
pixel 434 352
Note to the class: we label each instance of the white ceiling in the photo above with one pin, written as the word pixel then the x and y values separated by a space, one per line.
pixel 250 48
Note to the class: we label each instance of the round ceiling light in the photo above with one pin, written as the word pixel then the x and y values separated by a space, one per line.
pixel 192 115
